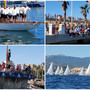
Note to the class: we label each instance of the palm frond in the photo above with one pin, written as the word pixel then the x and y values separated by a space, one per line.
pixel 88 10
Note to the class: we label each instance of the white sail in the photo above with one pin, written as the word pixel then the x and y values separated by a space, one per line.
pixel 67 71
pixel 50 70
pixel 88 70
pixel 82 71
pixel 61 71
pixel 57 70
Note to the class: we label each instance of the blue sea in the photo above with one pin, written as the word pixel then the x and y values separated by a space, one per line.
pixel 35 36
pixel 67 82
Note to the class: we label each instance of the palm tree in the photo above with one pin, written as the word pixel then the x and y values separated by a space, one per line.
pixel 85 11
pixel 64 7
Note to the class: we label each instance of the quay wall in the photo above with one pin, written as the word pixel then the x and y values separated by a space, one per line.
pixel 13 83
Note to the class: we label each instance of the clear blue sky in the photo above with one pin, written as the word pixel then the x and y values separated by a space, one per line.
pixel 24 54
pixel 55 7
pixel 75 51
pixel 77 10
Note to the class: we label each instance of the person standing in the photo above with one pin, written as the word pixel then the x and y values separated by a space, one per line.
pixel 10 14
pixel 14 12
pixel 17 10
pixel 57 27
pixel 2 14
pixel 5 14
pixel 25 11
pixel 21 13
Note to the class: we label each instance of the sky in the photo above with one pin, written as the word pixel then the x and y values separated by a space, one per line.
pixel 55 7
pixel 23 54
pixel 74 51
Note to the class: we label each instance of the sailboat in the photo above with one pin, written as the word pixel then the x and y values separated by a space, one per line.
pixel 50 70
pixel 19 25
pixel 67 71
pixel 61 71
pixel 82 71
pixel 57 71
pixel 88 71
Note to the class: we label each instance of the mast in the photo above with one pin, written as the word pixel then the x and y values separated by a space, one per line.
pixel 5 3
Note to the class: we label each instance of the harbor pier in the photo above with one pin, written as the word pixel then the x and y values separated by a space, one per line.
pixel 65 38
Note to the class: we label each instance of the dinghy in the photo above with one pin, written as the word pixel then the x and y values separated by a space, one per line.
pixel 57 71
pixel 50 70
pixel 88 71
pixel 82 71
pixel 67 71
pixel 61 71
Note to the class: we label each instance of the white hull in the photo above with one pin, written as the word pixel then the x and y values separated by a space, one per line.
pixel 18 26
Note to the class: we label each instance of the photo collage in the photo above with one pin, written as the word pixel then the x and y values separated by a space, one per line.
pixel 44 44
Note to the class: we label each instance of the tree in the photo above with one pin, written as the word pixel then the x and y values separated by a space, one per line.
pixel 85 11
pixel 64 7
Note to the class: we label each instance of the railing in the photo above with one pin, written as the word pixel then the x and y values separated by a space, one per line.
pixel 16 75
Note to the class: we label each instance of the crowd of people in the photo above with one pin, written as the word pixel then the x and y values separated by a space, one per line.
pixel 73 29
pixel 14 13
pixel 77 30
pixel 19 68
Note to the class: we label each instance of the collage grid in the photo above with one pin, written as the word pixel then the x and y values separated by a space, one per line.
pixel 44 44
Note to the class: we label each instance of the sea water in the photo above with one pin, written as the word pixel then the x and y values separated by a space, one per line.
pixel 67 82
pixel 35 36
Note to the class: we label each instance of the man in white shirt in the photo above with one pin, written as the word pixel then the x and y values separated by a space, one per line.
pixel 21 12
pixel 2 14
pixel 10 13
pixel 14 13
pixel 5 14
pixel 17 9
pixel 25 11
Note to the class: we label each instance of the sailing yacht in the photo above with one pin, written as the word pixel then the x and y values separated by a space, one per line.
pixel 67 71
pixel 57 71
pixel 82 71
pixel 88 71
pixel 50 70
pixel 19 25
pixel 61 71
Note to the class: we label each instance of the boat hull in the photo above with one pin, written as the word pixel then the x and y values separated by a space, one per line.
pixel 18 26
